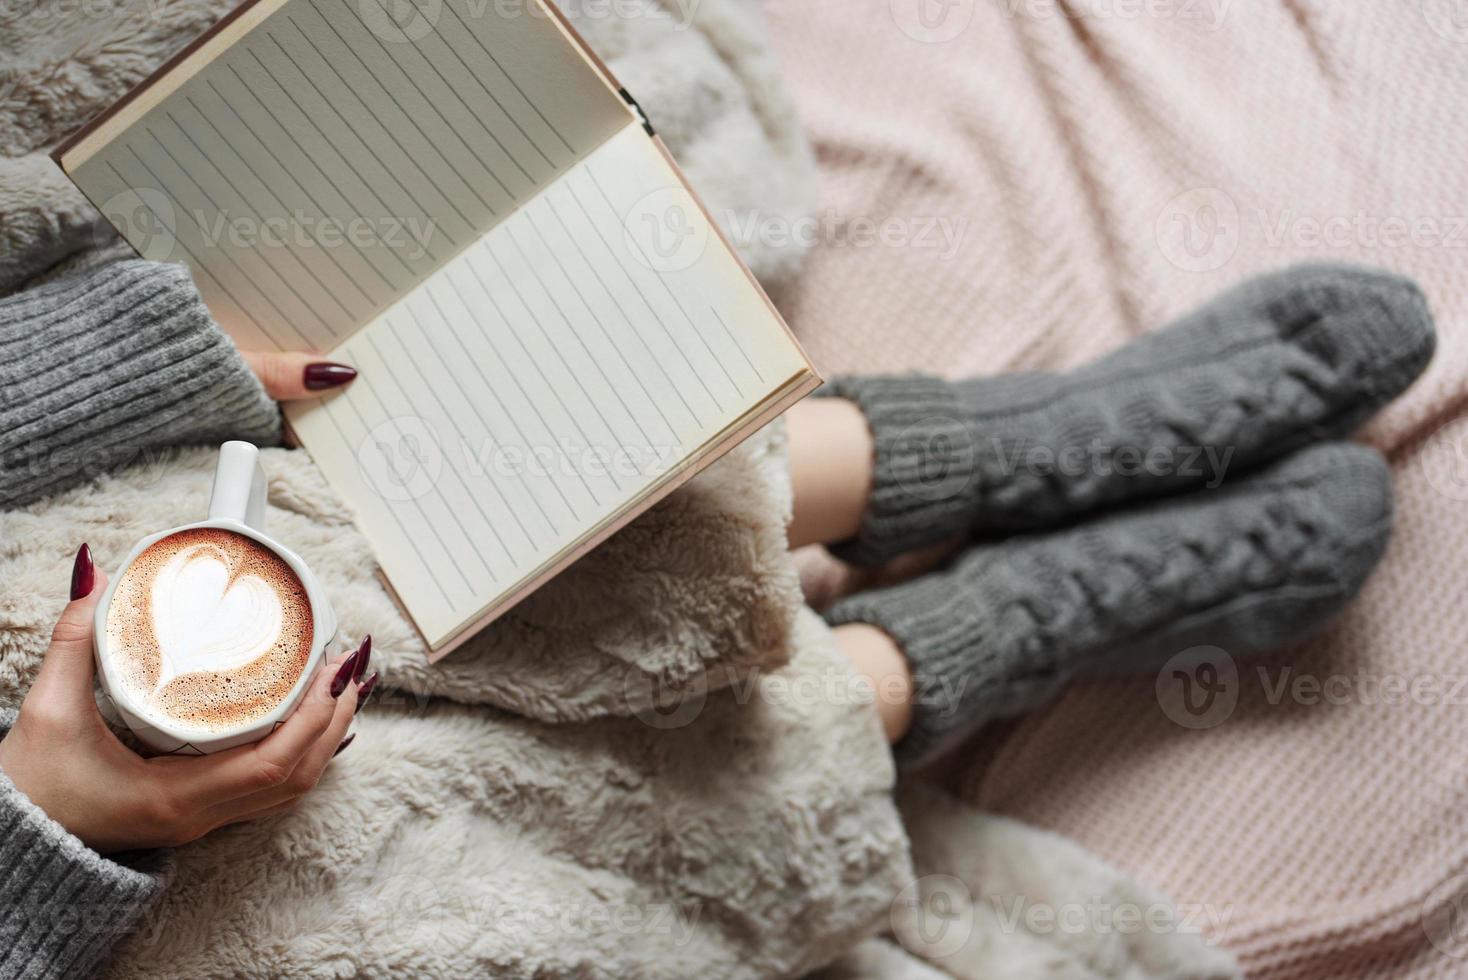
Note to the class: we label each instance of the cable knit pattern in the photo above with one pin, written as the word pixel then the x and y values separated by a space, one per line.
pixel 98 370
pixel 1250 567
pixel 1277 362
pixel 62 906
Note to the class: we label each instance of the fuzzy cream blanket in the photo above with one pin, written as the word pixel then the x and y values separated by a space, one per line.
pixel 657 766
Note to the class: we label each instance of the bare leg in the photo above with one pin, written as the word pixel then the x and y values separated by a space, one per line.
pixel 876 656
pixel 830 470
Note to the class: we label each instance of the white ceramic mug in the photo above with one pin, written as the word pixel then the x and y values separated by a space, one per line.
pixel 237 504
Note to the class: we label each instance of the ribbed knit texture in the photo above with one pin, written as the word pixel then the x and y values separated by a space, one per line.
pixel 62 905
pixel 1103 169
pixel 99 370
pixel 1249 567
pixel 1284 359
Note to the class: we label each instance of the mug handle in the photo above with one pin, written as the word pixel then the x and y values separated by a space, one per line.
pixel 239 486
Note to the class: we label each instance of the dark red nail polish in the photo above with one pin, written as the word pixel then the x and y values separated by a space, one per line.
pixel 365 652
pixel 345 742
pixel 365 691
pixel 83 573
pixel 325 374
pixel 345 674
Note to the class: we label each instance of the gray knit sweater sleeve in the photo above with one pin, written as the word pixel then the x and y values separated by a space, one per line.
pixel 111 367
pixel 62 905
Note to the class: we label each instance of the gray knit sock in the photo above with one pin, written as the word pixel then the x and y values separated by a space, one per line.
pixel 1278 362
pixel 1250 567
pixel 104 368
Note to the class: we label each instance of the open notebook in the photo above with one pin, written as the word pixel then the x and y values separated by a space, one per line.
pixel 462 203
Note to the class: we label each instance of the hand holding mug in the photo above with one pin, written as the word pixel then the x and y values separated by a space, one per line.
pixel 62 755
pixel 210 634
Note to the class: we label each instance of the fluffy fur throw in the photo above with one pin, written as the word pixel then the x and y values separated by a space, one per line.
pixel 465 833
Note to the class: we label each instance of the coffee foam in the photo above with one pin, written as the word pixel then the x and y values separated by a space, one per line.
pixel 208 630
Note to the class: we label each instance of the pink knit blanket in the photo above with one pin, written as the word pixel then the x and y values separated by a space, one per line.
pixel 1018 184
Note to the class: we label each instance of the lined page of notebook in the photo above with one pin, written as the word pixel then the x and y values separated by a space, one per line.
pixel 542 381
pixel 327 161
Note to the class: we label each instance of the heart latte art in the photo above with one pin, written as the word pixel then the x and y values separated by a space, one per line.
pixel 208 630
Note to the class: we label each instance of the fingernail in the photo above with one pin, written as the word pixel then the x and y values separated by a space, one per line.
pixel 83 574
pixel 345 742
pixel 345 674
pixel 365 652
pixel 364 691
pixel 324 374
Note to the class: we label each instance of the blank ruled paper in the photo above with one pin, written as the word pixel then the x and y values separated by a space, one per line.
pixel 326 163
pixel 539 383
pixel 549 331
